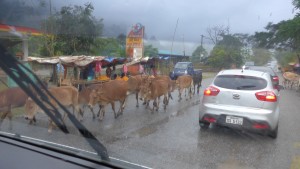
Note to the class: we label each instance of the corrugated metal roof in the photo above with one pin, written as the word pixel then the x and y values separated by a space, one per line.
pixel 167 52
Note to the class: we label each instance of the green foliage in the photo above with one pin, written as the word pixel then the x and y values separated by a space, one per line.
pixel 107 47
pixel 296 3
pixel 73 31
pixel 285 57
pixel 283 36
pixel 150 51
pixel 199 54
pixel 226 53
pixel 260 56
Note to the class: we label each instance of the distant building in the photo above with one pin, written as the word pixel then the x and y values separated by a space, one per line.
pixel 173 56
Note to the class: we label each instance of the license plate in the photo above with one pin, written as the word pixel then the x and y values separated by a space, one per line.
pixel 234 120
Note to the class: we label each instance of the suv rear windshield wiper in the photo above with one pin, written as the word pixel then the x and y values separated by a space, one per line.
pixel 8 62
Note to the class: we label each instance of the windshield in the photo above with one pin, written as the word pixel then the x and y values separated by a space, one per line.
pixel 181 65
pixel 107 78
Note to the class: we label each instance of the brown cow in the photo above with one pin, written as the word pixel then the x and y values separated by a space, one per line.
pixel 184 82
pixel 153 89
pixel 84 98
pixel 109 92
pixel 134 85
pixel 171 83
pixel 66 95
pixel 9 99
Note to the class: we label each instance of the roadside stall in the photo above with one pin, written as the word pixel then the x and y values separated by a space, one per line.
pixel 82 70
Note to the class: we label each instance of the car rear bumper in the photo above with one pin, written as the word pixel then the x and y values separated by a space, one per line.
pixel 253 118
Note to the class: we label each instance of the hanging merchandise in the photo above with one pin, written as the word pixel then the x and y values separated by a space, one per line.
pixel 98 67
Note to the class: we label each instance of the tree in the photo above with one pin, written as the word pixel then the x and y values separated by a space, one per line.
pixel 199 54
pixel 226 53
pixel 285 57
pixel 283 36
pixel 107 47
pixel 260 56
pixel 122 39
pixel 150 51
pixel 73 30
pixel 296 3
pixel 215 33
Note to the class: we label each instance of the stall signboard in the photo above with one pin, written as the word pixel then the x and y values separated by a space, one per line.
pixel 134 41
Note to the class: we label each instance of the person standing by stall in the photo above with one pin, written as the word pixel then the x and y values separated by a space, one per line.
pixel 113 75
pixel 141 69
pixel 98 68
pixel 154 73
pixel 108 72
pixel 125 69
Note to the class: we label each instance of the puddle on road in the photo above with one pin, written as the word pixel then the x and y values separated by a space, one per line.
pixel 145 131
pixel 149 129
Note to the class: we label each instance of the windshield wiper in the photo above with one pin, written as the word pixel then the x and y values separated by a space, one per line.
pixel 245 87
pixel 24 81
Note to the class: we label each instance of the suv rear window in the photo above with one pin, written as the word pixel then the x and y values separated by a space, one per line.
pixel 240 82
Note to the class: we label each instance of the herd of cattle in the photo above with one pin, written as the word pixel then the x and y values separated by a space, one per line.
pixel 145 88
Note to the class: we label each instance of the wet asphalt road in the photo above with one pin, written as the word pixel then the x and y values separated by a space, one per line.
pixel 172 139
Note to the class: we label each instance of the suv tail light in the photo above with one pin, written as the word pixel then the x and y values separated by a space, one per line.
pixel 266 96
pixel 210 119
pixel 211 91
pixel 275 78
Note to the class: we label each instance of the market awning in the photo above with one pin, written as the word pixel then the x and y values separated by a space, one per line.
pixel 79 61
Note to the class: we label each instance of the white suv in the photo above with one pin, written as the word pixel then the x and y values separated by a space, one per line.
pixel 241 99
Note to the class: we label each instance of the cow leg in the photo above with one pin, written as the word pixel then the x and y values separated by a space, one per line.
pixel 77 113
pixel 137 99
pixel 168 98
pixel 179 91
pixel 165 101
pixel 51 125
pixel 101 112
pixel 4 114
pixel 100 107
pixel 122 106
pixel 92 110
pixel 190 92
pixel 154 104
pixel 2 118
pixel 147 103
pixel 33 121
pixel 113 107
pixel 157 106
pixel 9 115
pixel 186 92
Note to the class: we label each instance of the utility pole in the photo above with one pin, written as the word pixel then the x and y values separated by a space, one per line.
pixel 172 45
pixel 50 7
pixel 174 36
pixel 183 45
pixel 202 36
pixel 202 41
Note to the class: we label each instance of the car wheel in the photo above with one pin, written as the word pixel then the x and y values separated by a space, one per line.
pixel 204 125
pixel 273 133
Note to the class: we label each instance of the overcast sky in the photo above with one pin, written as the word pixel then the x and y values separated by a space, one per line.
pixel 160 16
